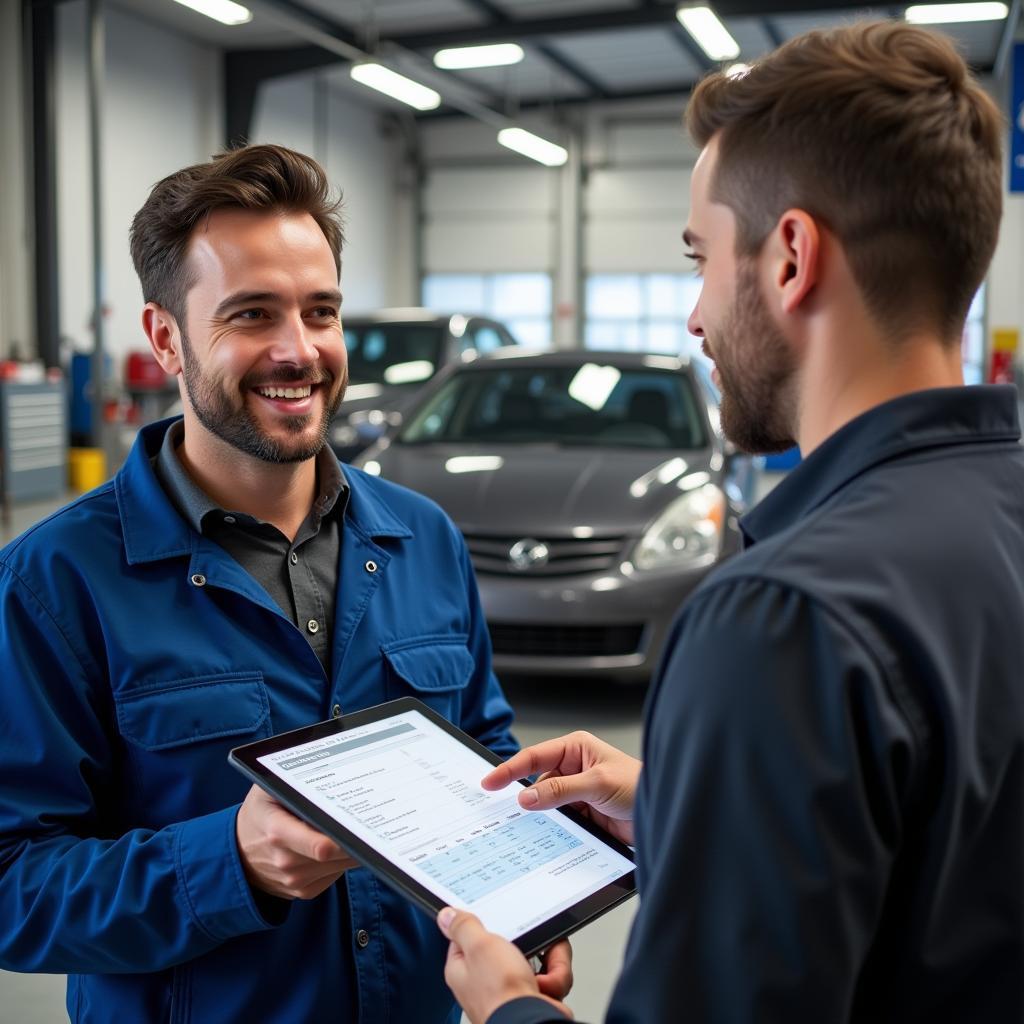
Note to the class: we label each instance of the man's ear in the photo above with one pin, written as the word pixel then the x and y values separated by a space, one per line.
pixel 164 337
pixel 794 253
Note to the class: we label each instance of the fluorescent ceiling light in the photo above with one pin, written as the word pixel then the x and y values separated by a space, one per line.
pixel 533 146
pixel 397 86
pixel 225 11
pixel 710 34
pixel 949 14
pixel 493 55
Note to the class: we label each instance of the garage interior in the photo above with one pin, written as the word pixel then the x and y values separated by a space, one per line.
pixel 575 247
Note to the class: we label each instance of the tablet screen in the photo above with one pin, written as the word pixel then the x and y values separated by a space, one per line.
pixel 412 792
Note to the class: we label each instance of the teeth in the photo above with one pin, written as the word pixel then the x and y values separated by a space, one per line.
pixel 302 392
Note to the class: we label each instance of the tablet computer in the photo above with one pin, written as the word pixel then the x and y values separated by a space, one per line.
pixel 398 787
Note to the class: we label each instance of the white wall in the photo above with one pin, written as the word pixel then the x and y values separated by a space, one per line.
pixel 161 111
pixel 17 326
pixel 637 197
pixel 361 158
pixel 487 210
pixel 1005 294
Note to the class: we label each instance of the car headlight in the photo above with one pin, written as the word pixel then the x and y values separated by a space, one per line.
pixel 689 530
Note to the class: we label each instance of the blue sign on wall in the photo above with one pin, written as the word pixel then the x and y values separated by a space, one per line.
pixel 1017 121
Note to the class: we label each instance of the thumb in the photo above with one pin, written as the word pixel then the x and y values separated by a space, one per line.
pixel 559 790
pixel 460 927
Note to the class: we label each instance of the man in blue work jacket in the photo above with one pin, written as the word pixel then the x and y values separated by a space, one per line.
pixel 829 820
pixel 230 582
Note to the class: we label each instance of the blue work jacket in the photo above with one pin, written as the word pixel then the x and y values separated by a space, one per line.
pixel 136 653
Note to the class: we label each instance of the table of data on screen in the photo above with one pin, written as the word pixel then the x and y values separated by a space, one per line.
pixel 477 867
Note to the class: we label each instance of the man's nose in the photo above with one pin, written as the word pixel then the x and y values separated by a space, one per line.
pixel 293 342
pixel 693 321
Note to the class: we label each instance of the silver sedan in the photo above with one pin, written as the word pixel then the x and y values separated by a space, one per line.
pixel 594 491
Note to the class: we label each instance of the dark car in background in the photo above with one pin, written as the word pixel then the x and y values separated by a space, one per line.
pixel 594 491
pixel 391 354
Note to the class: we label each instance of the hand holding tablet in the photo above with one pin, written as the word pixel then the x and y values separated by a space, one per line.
pixel 398 787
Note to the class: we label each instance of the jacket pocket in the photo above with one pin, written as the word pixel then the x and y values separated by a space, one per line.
pixel 178 734
pixel 193 710
pixel 434 669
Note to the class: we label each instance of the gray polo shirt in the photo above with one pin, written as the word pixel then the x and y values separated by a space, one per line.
pixel 301 576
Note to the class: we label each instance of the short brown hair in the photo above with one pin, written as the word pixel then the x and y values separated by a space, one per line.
pixel 251 178
pixel 878 130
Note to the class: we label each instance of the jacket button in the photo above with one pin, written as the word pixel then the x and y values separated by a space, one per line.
pixel 370 567
pixel 312 625
pixel 293 558
pixel 336 711
pixel 362 938
pixel 199 580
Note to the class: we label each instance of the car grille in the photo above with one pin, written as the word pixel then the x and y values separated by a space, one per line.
pixel 566 556
pixel 565 641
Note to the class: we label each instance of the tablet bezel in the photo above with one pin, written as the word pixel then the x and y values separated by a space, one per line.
pixel 245 759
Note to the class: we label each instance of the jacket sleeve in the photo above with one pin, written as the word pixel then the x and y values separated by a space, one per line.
pixel 778 766
pixel 78 893
pixel 486 714
pixel 526 1010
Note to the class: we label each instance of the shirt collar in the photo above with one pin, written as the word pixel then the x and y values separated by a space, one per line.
pixel 195 504
pixel 154 529
pixel 922 419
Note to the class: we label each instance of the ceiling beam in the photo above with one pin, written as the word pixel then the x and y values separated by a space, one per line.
pixel 336 39
pixel 514 29
pixel 1007 39
pixel 678 90
pixel 670 90
pixel 595 88
pixel 689 46
pixel 772 31
pixel 497 17
pixel 246 70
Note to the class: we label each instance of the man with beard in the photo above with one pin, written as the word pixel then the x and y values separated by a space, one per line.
pixel 231 582
pixel 828 819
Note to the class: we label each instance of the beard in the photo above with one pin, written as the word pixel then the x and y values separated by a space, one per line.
pixel 756 368
pixel 226 415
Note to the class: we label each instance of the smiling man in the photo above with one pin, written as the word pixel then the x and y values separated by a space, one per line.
pixel 828 819
pixel 231 582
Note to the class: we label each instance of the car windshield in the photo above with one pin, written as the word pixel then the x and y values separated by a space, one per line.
pixel 400 353
pixel 589 404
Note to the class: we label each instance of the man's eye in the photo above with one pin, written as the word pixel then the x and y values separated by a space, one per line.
pixel 249 314
pixel 325 312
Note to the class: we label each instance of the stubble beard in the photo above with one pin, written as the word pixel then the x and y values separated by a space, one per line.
pixel 757 370
pixel 230 420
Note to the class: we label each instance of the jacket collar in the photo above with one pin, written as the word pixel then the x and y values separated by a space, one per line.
pixel 153 529
pixel 937 417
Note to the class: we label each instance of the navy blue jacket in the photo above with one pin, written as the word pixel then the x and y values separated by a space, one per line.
pixel 136 653
pixel 830 823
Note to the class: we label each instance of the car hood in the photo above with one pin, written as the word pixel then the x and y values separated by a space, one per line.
pixel 542 489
